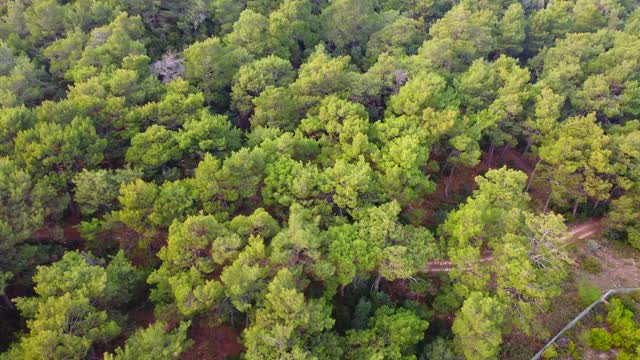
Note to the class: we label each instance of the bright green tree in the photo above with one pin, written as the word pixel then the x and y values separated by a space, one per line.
pixel 97 190
pixel 53 149
pixel 289 326
pixel 577 161
pixel 392 334
pixel 460 37
pixel 211 65
pixel 478 327
pixel 154 342
pixel 254 78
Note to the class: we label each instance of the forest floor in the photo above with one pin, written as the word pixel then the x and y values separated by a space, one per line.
pixel 213 343
pixel 619 263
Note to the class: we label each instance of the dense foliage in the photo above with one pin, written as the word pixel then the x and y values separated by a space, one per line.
pixel 287 168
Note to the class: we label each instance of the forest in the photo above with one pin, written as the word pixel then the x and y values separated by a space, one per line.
pixel 318 179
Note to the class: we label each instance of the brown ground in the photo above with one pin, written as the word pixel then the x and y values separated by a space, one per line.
pixel 213 343
pixel 69 231
pixel 620 264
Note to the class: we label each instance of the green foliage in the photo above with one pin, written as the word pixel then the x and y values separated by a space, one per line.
pixel 97 190
pixel 154 342
pixel 588 293
pixel 550 352
pixel 22 82
pixel 269 160
pixel 57 150
pixel 347 24
pixel 460 37
pixel 509 229
pixel 600 339
pixel 251 32
pixel 48 335
pixel 439 348
pixel 288 325
pixel 477 328
pixel 391 335
pixel 624 215
pixel 66 318
pixel 254 78
pixel 211 65
pixel 153 148
pixel 322 75
pixel 208 133
pixel 591 265
pixel 577 158
pixel 23 204
pixel 625 328
pixel 196 247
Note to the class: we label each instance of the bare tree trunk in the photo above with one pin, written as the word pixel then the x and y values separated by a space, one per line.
pixel 342 290
pixel 546 204
pixel 376 283
pixel 446 186
pixel 533 173
pixel 491 149
pixel 504 151
pixel 575 208
pixel 526 148
pixel 595 206
pixel 612 193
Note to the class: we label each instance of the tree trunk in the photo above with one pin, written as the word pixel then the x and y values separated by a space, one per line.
pixel 342 290
pixel 376 283
pixel 491 149
pixel 612 193
pixel 575 208
pixel 446 186
pixel 533 173
pixel 595 206
pixel 504 151
pixel 546 204
pixel 526 148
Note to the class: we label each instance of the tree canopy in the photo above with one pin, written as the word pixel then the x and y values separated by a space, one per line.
pixel 310 179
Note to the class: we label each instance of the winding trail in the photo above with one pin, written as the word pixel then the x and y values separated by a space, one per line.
pixel 579 231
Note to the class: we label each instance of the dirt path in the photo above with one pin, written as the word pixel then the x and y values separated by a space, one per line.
pixel 578 232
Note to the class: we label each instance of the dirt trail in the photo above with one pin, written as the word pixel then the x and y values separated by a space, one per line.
pixel 577 232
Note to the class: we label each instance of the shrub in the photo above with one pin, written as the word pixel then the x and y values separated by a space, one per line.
pixel 591 265
pixel 420 286
pixel 587 293
pixel 573 350
pixel 593 245
pixel 550 352
pixel 446 301
pixel 600 339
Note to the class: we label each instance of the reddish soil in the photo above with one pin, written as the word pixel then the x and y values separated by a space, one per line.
pixel 399 290
pixel 212 343
pixel 142 317
pixel 69 231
